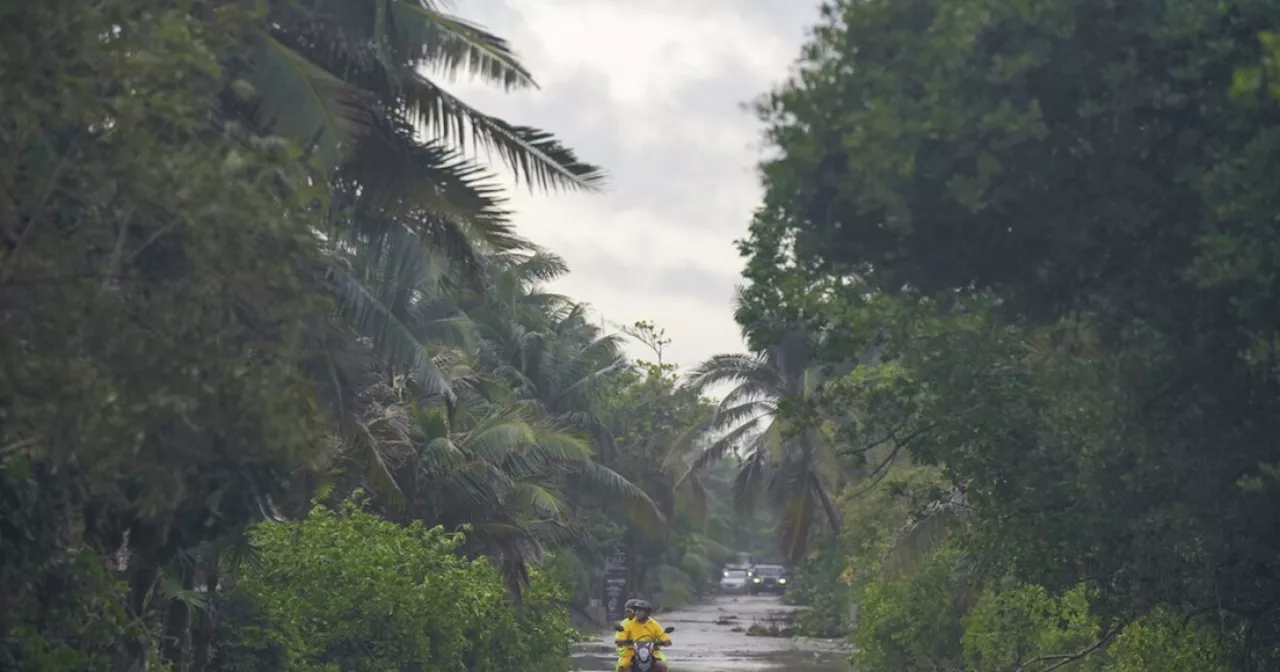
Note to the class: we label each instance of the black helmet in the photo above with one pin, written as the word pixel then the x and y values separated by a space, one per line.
pixel 644 604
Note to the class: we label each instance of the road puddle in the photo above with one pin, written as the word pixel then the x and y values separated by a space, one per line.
pixel 712 638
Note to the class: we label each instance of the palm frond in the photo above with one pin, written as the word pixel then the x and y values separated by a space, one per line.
pixel 397 173
pixel 392 339
pixel 340 368
pixel 540 500
pixel 535 157
pixel 495 443
pixel 751 371
pixel 797 520
pixel 440 456
pixel 452 46
pixel 302 101
pixel 691 496
pixel 750 482
pixel 737 414
pixel 729 442
pixel 539 267
pixel 370 452
pixel 643 512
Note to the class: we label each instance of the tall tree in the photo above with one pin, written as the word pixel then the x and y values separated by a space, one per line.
pixel 1053 211
pixel 155 273
pixel 792 464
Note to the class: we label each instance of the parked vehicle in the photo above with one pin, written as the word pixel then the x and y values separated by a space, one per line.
pixel 744 561
pixel 734 580
pixel 768 579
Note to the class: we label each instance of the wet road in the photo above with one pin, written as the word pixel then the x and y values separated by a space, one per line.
pixel 712 637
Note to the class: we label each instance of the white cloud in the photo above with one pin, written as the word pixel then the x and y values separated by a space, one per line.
pixel 652 91
pixel 648 47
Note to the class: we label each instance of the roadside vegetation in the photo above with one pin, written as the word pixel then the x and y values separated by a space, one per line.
pixel 1011 290
pixel 281 384
pixel 282 387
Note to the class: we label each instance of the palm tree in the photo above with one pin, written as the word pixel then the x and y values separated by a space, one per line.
pixel 503 470
pixel 412 217
pixel 442 335
pixel 353 76
pixel 350 78
pixel 542 344
pixel 794 466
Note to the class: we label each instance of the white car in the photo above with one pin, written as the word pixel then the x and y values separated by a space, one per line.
pixel 734 580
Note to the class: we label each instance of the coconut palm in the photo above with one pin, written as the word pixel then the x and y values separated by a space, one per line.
pixel 356 82
pixel 332 71
pixel 503 470
pixel 411 215
pixel 542 344
pixel 794 466
pixel 353 80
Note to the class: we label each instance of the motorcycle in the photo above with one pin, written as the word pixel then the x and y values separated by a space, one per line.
pixel 645 649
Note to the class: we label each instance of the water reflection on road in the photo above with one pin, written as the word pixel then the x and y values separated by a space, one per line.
pixel 706 641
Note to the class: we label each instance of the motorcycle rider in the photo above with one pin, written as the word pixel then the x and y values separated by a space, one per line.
pixel 642 625
pixel 630 609
pixel 631 613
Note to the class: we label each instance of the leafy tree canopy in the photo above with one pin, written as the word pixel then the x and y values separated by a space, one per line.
pixel 1051 222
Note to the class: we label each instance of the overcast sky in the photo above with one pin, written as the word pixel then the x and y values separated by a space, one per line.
pixel 652 91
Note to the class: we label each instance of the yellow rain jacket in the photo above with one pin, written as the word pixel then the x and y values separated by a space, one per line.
pixel 622 650
pixel 636 631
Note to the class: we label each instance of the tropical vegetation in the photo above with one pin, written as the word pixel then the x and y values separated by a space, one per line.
pixel 281 386
pixel 1032 245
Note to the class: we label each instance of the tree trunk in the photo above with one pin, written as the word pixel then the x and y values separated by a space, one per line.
pixel 134 652
pixel 177 624
pixel 205 624
pixel 146 544
pixel 828 506
pixel 819 487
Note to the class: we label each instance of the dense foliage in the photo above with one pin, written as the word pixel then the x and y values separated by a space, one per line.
pixel 281 387
pixel 251 272
pixel 1033 243
pixel 413 603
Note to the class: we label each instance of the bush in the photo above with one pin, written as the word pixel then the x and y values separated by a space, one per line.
pixel 346 590
pixel 914 624
pixel 60 609
pixel 73 620
pixel 1008 628
pixel 927 623
pixel 1162 641
pixel 820 585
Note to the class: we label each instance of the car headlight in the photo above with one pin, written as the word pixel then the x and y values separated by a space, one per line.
pixel 726 573
pixel 757 580
pixel 782 580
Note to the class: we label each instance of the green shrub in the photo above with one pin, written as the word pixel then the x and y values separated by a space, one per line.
pixel 347 590
pixel 819 585
pixel 913 624
pixel 1162 641
pixel 72 620
pixel 1008 628
pixel 62 610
